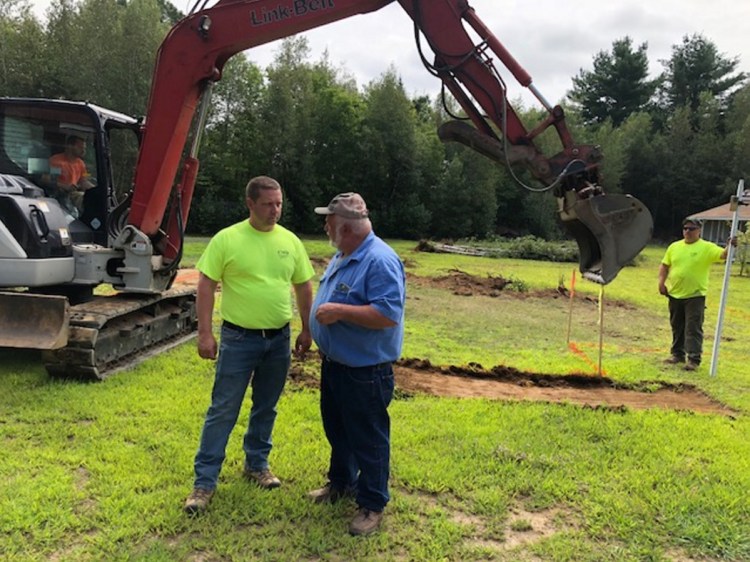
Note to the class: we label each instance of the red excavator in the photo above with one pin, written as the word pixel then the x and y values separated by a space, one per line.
pixel 61 239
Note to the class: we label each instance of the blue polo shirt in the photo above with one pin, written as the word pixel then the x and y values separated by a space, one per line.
pixel 373 274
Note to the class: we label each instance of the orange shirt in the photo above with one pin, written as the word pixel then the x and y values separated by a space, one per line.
pixel 70 171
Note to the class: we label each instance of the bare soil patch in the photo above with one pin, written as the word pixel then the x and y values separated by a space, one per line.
pixel 419 376
pixel 186 278
pixel 465 284
pixel 504 383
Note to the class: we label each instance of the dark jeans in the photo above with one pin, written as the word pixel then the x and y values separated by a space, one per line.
pixel 244 359
pixel 354 406
pixel 686 319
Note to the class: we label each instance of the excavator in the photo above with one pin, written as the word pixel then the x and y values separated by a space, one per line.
pixel 127 234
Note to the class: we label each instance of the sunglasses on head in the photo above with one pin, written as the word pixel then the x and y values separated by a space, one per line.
pixel 691 228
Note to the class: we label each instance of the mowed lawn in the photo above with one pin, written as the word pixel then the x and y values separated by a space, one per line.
pixel 100 471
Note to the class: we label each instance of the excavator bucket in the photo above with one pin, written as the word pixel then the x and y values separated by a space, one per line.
pixel 33 321
pixel 610 230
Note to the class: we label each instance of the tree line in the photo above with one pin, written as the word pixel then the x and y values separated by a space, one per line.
pixel 678 142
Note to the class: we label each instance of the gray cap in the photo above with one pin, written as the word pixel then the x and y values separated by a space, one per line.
pixel 695 222
pixel 347 205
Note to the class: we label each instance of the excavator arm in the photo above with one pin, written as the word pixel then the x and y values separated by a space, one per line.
pixel 610 229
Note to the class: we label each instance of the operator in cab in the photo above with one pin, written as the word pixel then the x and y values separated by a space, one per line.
pixel 69 175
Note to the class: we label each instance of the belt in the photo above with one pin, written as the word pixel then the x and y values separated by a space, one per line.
pixel 330 361
pixel 266 333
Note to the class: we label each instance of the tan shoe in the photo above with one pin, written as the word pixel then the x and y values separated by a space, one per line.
pixel 263 478
pixel 365 522
pixel 330 494
pixel 198 500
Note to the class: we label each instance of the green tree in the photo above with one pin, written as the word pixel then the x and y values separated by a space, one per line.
pixel 22 56
pixel 644 149
pixel 291 122
pixel 103 51
pixel 617 86
pixel 142 23
pixel 391 182
pixel 169 13
pixel 463 203
pixel 696 66
pixel 230 152
pixel 337 113
pixel 696 162
pixel 738 137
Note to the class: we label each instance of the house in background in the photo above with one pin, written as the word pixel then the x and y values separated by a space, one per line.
pixel 718 221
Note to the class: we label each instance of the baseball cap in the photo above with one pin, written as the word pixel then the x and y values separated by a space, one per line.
pixel 695 222
pixel 347 205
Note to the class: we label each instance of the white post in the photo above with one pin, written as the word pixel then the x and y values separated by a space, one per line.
pixel 734 205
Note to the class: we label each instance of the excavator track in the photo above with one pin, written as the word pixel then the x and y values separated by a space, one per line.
pixel 110 332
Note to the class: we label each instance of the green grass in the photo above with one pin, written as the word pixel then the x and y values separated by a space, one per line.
pixel 99 471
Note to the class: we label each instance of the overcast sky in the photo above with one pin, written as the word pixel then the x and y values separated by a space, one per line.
pixel 551 39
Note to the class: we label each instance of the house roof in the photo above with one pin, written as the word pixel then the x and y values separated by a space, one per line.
pixel 722 213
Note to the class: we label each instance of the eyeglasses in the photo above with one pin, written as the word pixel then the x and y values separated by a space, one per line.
pixel 690 228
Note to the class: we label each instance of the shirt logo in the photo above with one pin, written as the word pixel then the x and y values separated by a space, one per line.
pixel 342 288
pixel 283 253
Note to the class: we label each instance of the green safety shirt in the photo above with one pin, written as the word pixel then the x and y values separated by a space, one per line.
pixel 689 266
pixel 255 269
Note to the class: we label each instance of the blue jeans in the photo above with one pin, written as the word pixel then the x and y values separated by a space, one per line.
pixel 353 404
pixel 244 359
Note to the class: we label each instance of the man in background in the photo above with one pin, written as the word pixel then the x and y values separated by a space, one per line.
pixel 683 279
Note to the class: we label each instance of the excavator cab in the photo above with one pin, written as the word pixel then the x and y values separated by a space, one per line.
pixel 40 225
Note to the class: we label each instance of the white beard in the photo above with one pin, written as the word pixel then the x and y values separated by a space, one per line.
pixel 335 240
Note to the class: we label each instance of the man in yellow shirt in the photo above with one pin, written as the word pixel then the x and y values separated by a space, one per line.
pixel 683 279
pixel 256 261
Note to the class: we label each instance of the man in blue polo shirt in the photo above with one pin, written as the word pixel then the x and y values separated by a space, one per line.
pixel 357 321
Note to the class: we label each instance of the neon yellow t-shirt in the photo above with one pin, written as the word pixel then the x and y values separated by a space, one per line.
pixel 255 270
pixel 689 266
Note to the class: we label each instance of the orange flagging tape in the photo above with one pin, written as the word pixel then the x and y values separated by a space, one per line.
pixel 580 353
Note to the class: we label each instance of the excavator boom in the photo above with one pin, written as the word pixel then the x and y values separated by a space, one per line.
pixel 610 231
pixel 53 257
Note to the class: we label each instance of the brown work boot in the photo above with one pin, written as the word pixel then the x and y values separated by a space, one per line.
pixel 198 500
pixel 330 494
pixel 365 522
pixel 263 478
pixel 674 360
pixel 691 366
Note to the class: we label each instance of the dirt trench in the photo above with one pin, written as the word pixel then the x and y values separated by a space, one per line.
pixel 419 376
